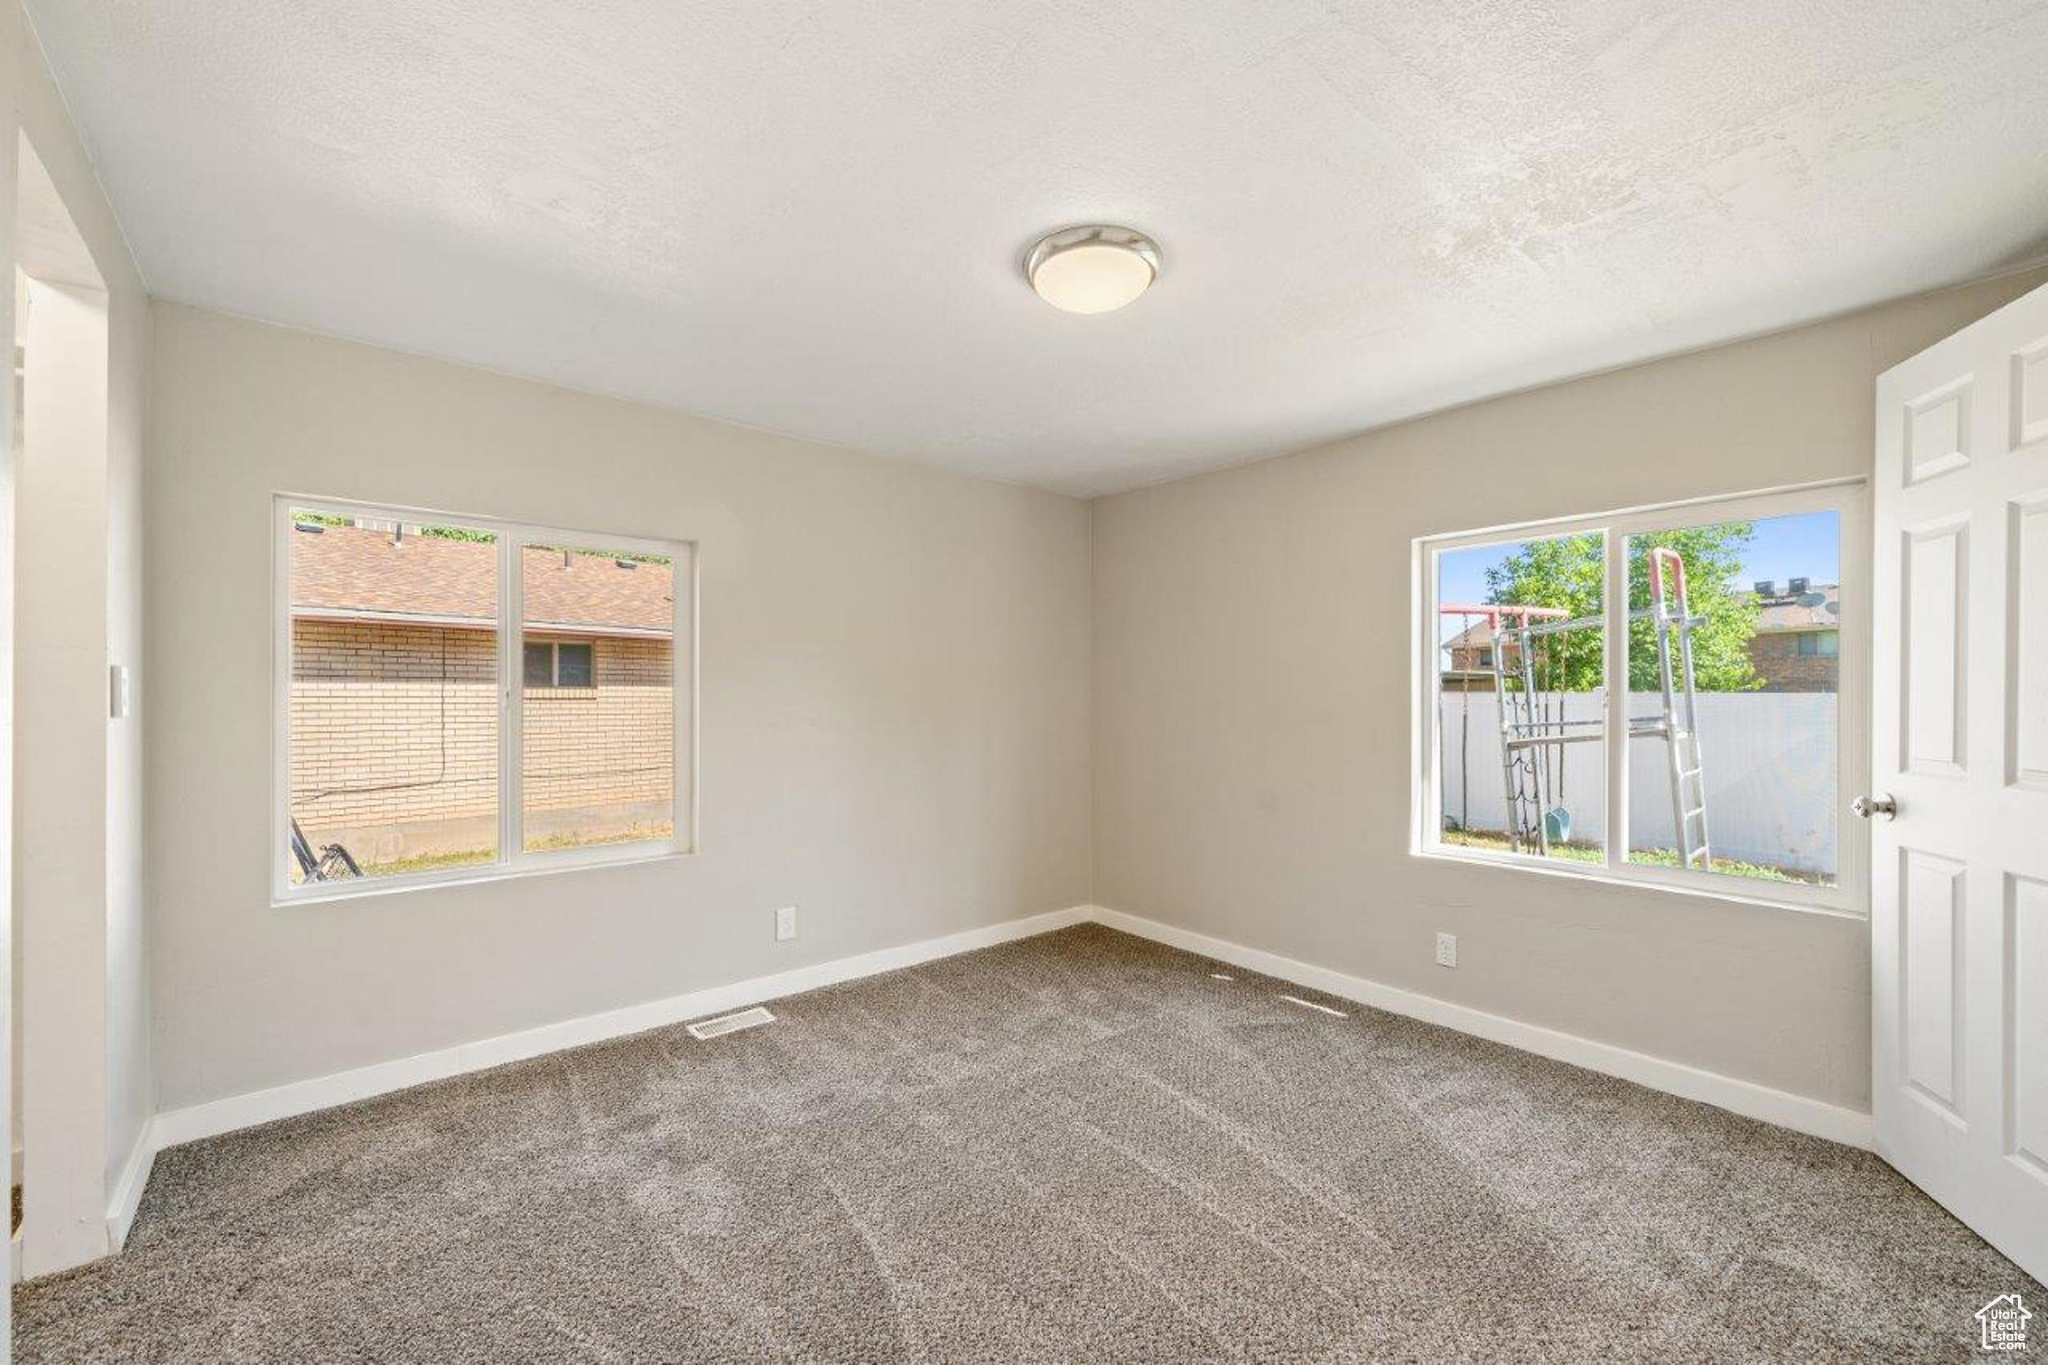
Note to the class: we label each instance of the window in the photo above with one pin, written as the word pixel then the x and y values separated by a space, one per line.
pixel 1548 685
pixel 406 755
pixel 573 667
pixel 559 663
pixel 1663 632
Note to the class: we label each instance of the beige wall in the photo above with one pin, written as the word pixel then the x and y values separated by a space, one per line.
pixel 1253 695
pixel 894 705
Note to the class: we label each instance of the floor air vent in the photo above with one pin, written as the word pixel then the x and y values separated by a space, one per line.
pixel 729 1023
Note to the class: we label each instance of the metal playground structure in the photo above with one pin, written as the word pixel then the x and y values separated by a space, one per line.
pixel 1535 732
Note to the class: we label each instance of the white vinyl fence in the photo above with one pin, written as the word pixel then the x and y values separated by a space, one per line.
pixel 1768 760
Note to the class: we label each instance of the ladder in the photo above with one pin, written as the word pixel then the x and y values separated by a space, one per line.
pixel 1523 771
pixel 1671 616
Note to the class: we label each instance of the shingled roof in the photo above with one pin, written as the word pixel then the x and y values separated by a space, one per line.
pixel 1819 608
pixel 351 572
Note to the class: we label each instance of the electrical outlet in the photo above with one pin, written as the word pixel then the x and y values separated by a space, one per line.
pixel 1446 950
pixel 785 923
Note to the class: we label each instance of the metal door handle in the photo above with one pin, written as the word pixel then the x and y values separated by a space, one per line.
pixel 1868 806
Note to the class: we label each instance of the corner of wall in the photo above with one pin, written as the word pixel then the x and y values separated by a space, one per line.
pixel 101 1118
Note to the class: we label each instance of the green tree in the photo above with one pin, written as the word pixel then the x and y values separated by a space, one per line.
pixel 1568 573
pixel 470 533
pixel 306 518
pixel 1563 573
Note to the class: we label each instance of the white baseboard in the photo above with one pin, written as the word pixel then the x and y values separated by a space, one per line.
pixel 126 1195
pixel 1797 1112
pixel 324 1092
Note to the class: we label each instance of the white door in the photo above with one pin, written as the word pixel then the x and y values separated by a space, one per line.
pixel 1959 876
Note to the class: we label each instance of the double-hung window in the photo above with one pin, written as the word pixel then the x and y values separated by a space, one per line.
pixel 1666 695
pixel 461 695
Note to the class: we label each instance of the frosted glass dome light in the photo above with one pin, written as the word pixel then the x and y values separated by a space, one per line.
pixel 1093 269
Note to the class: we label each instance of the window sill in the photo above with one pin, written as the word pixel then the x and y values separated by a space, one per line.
pixel 1829 901
pixel 324 893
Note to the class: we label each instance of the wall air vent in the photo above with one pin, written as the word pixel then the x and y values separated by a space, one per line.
pixel 705 1029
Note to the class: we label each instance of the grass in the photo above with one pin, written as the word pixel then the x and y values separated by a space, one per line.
pixel 556 842
pixel 430 862
pixel 473 857
pixel 1641 857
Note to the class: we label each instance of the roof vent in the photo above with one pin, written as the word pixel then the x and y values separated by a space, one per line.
pixel 729 1023
pixel 310 528
pixel 1766 588
pixel 625 563
pixel 1796 586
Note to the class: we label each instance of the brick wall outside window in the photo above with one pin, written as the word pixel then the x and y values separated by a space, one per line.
pixel 394 741
pixel 1776 658
pixel 605 745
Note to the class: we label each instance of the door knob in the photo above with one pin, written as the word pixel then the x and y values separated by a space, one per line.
pixel 1868 806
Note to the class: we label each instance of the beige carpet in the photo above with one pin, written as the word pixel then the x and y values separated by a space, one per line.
pixel 1082 1147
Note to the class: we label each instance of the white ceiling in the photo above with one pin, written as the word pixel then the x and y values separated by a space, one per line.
pixel 808 215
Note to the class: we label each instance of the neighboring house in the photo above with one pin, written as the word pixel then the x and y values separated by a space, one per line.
pixel 394 711
pixel 1798 636
pixel 1469 654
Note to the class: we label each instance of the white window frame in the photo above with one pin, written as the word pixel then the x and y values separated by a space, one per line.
pixel 513 860
pixel 1848 499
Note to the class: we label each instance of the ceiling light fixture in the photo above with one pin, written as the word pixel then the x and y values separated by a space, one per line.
pixel 1092 269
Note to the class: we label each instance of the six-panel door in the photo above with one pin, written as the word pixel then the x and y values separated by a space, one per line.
pixel 1959 880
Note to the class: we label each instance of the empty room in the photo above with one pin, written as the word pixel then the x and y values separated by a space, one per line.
pixel 719 682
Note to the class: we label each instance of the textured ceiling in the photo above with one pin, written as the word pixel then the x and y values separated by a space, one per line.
pixel 808 216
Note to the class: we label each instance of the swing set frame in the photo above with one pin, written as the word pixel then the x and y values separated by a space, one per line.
pixel 1532 740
